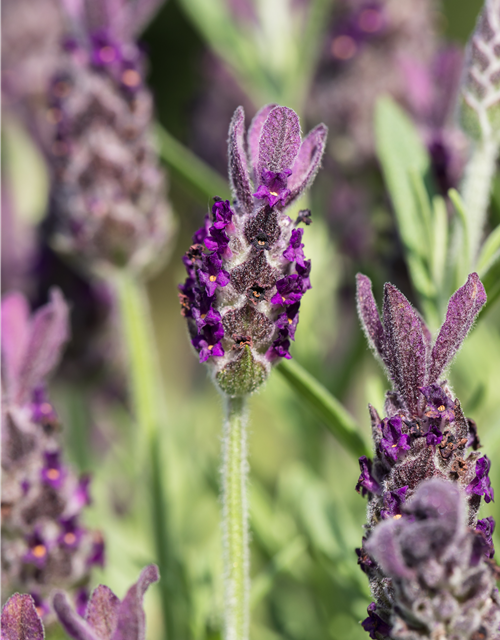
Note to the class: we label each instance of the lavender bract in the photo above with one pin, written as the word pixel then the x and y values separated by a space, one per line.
pixel 108 190
pixel 44 544
pixel 424 436
pixel 106 616
pixel 20 619
pixel 246 269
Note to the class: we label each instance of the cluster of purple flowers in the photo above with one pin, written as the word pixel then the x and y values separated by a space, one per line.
pixel 425 435
pixel 108 191
pixel 44 543
pixel 247 271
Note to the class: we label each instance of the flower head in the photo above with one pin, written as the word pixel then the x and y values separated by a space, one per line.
pixel 247 271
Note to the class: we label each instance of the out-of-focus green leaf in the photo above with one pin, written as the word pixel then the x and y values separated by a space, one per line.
pixel 490 252
pixel 401 153
pixel 193 172
pixel 461 240
pixel 491 282
pixel 336 418
pixel 440 242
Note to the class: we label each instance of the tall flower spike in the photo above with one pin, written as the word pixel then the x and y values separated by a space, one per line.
pixel 107 617
pixel 108 190
pixel 480 96
pixel 424 436
pixel 44 543
pixel 247 271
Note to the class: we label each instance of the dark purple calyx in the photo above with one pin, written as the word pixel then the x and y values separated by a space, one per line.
pixel 393 501
pixel 485 529
pixel 374 624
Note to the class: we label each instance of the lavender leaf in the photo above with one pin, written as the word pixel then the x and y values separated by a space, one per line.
pixel 238 167
pixel 253 137
pixel 102 612
pixel 279 141
pixel 20 620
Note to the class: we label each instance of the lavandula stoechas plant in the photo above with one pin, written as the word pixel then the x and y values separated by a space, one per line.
pixel 106 617
pixel 44 543
pixel 247 273
pixel 428 562
pixel 108 190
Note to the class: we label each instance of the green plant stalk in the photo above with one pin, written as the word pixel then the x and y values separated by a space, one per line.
pixel 476 189
pixel 145 389
pixel 235 521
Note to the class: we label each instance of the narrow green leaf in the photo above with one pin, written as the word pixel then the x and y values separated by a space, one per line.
pixel 423 203
pixel 491 282
pixel 490 252
pixel 439 242
pixel 460 243
pixel 401 152
pixel 193 172
pixel 335 417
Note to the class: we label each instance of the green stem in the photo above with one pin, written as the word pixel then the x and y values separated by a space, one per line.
pixel 476 190
pixel 145 389
pixel 235 520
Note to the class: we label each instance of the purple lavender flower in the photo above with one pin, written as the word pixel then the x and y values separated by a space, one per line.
pixel 439 585
pixel 108 190
pixel 43 542
pixel 106 617
pixel 247 271
pixel 424 436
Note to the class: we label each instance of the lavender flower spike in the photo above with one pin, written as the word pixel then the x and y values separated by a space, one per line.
pixel 106 617
pixel 43 541
pixel 247 271
pixel 424 488
pixel 20 619
pixel 442 585
pixel 108 190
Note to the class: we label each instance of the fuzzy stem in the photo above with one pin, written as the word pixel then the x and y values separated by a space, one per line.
pixel 476 190
pixel 145 389
pixel 235 520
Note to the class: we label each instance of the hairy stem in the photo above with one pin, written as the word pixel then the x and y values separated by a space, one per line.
pixel 235 520
pixel 145 389
pixel 476 190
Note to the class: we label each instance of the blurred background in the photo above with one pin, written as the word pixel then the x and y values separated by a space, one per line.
pixel 329 61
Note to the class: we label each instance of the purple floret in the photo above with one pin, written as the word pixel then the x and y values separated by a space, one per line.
pixel 212 274
pixel 393 500
pixel 280 347
pixel 53 473
pixel 38 550
pixel 71 533
pixel 304 271
pixel 273 187
pixel 208 342
pixel 374 623
pixel 42 411
pixel 289 290
pixel 366 482
pixel 222 213
pixel 295 250
pixel 393 440
pixel 439 405
pixel 218 241
pixel 481 485
pixel 289 319
pixel 486 527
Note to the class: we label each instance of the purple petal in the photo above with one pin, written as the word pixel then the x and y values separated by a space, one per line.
pixel 75 626
pixel 369 316
pixel 308 161
pixel 253 137
pixel 131 618
pixel 238 166
pixel 463 308
pixel 279 141
pixel 49 333
pixel 15 337
pixel 102 612
pixel 405 353
pixel 20 620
